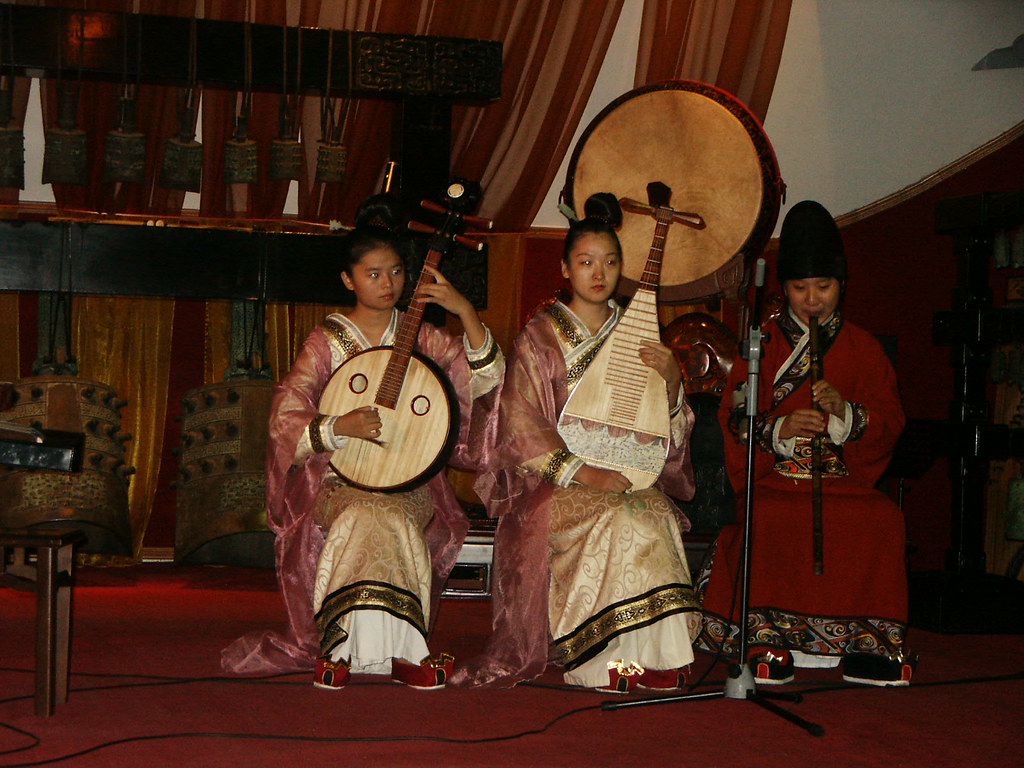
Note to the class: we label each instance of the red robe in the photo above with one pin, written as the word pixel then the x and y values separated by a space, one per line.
pixel 859 602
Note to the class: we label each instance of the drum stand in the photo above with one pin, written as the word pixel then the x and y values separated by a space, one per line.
pixel 740 683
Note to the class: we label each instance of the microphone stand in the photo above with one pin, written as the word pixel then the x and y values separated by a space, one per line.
pixel 740 683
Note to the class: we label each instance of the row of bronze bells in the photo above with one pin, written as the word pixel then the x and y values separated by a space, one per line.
pixel 66 152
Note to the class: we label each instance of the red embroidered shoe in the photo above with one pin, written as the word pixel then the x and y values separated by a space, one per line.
pixel 772 667
pixel 663 679
pixel 427 675
pixel 872 669
pixel 330 675
pixel 622 677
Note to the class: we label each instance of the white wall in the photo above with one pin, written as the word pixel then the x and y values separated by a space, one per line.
pixel 872 95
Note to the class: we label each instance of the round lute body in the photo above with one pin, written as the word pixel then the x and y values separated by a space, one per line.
pixel 418 430
pixel 418 408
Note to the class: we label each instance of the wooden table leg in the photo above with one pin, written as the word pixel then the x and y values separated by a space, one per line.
pixel 65 564
pixel 46 630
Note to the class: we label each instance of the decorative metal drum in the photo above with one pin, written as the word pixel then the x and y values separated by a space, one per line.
pixel 221 478
pixel 94 500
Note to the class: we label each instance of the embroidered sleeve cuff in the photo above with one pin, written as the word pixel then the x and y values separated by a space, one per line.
pixel 321 434
pixel 783 447
pixel 858 420
pixel 765 429
pixel 559 466
pixel 486 355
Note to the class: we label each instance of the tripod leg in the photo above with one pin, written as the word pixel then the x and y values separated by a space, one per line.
pixel 812 728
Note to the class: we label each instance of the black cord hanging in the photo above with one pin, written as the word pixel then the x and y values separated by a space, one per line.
pixel 332 155
pixel 241 162
pixel 286 150
pixel 12 138
pixel 57 357
pixel 66 153
pixel 183 156
pixel 125 153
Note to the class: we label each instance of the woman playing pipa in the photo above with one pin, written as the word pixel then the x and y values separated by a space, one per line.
pixel 598 579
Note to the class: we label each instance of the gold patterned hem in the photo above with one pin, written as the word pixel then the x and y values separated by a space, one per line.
pixel 800 465
pixel 342 336
pixel 575 371
pixel 487 359
pixel 564 325
pixel 365 595
pixel 316 439
pixel 556 462
pixel 587 640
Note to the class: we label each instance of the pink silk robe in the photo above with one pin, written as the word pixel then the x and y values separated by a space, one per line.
pixel 522 427
pixel 292 492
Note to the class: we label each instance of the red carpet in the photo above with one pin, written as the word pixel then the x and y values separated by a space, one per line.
pixel 147 641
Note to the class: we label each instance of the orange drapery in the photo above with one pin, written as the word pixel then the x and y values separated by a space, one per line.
pixel 735 45
pixel 553 50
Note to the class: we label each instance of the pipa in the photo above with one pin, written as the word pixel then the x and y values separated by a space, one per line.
pixel 617 417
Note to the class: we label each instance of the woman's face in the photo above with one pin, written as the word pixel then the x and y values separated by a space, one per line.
pixel 377 279
pixel 593 267
pixel 817 296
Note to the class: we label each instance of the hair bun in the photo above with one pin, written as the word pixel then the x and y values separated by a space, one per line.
pixel 605 207
pixel 382 210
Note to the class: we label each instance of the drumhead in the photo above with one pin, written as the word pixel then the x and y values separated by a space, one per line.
pixel 712 152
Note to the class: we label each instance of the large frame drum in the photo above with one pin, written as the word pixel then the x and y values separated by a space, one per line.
pixel 94 500
pixel 712 152
pixel 222 485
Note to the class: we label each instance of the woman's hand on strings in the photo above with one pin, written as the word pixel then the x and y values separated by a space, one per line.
pixel 444 294
pixel 663 360
pixel 363 422
pixel 602 479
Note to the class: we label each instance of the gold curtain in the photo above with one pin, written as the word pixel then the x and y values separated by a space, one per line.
pixel 126 343
pixel 288 325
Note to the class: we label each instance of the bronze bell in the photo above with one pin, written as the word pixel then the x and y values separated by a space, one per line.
pixel 183 158
pixel 66 153
pixel 125 154
pixel 331 161
pixel 12 145
pixel 285 159
pixel 241 163
pixel 286 151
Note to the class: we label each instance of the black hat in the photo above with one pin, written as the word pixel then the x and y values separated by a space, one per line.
pixel 810 244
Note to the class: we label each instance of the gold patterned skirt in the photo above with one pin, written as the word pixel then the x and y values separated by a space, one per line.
pixel 620 585
pixel 372 590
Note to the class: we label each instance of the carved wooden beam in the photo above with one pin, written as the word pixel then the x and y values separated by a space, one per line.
pixel 59 42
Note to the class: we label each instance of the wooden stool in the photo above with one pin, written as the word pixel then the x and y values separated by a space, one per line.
pixel 50 577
